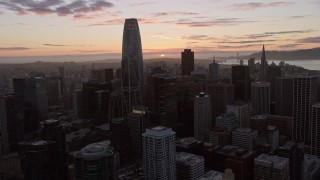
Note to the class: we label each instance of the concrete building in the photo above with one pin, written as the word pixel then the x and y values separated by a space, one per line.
pixel 242 111
pixel 219 136
pixel 271 167
pixel 202 116
pixel 228 120
pixel 243 137
pixel 260 97
pixel 310 168
pixel 273 138
pixel 259 123
pixel 159 153
pixel 189 166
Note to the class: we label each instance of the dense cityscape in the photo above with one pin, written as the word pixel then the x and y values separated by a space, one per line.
pixel 159 120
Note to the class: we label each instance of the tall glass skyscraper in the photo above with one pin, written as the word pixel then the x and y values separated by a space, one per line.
pixel 132 86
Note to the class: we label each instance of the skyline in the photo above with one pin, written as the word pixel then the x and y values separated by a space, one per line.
pixel 64 27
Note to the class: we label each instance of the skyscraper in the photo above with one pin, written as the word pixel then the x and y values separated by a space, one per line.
pixel 241 82
pixel 271 167
pixel 260 97
pixel 202 116
pixel 159 153
pixel 132 86
pixel 315 130
pixel 95 161
pixel 263 66
pixel 187 62
pixel 213 70
pixel 283 96
pixel 304 96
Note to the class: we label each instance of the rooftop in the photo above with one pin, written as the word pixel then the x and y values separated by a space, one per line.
pixel 212 175
pixel 188 158
pixel 269 160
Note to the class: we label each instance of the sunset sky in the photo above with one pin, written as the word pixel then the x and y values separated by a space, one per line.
pixel 61 27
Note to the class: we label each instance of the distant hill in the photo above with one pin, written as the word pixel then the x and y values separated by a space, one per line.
pixel 304 54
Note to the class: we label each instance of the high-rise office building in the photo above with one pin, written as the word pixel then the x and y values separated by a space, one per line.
pixel 219 136
pixel 263 65
pixel 221 95
pixel 33 91
pixel 187 62
pixel 94 161
pixel 272 73
pixel 54 90
pixel 159 153
pixel 52 130
pixel 294 152
pixel 132 86
pixel 252 64
pixel 241 82
pixel 102 75
pixel 11 123
pixel 189 166
pixel 271 167
pixel 120 139
pixel 202 116
pixel 305 94
pixel 242 111
pixel 273 138
pixel 139 123
pixel 283 96
pixel 213 70
pixel 315 130
pixel 40 160
pixel 243 137
pixel 260 97
pixel 164 99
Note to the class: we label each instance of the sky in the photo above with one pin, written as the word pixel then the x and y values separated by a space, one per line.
pixel 211 27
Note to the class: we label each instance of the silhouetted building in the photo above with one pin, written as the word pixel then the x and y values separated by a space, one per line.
pixel 305 94
pixel 190 145
pixel 164 98
pixel 295 154
pixel 202 116
pixel 33 91
pixel 12 125
pixel 187 62
pixel 120 140
pixel 271 167
pixel 102 75
pixel 132 67
pixel 260 97
pixel 221 95
pixel 40 160
pixel 283 123
pixel 139 121
pixel 159 153
pixel 283 96
pixel 213 70
pixel 52 130
pixel 252 64
pixel 228 120
pixel 95 161
pixel 315 130
pixel 54 91
pixel 263 65
pixel 241 82
pixel 272 73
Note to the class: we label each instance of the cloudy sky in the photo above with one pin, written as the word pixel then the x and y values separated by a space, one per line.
pixel 60 27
